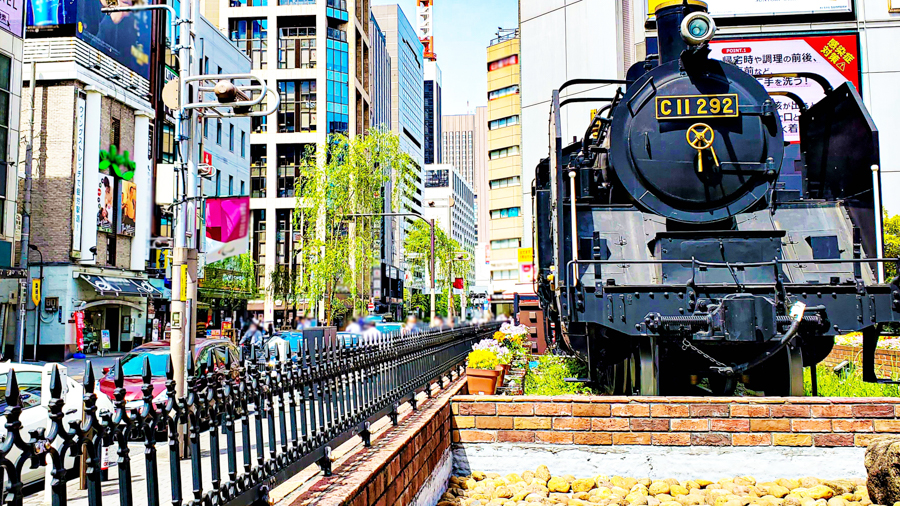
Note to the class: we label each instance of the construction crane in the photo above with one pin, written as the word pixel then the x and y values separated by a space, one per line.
pixel 426 28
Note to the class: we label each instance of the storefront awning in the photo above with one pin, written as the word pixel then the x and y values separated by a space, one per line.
pixel 128 287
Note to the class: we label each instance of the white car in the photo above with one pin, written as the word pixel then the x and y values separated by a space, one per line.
pixel 34 385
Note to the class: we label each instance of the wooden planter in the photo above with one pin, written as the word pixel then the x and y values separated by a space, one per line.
pixel 481 381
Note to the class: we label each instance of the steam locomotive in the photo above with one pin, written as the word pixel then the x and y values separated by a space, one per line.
pixel 671 254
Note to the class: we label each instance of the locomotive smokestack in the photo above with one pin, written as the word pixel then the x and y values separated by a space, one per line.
pixel 674 35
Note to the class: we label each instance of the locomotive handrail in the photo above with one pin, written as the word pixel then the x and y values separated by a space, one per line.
pixel 585 99
pixel 574 82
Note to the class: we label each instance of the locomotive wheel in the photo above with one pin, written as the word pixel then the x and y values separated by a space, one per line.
pixel 642 369
pixel 781 375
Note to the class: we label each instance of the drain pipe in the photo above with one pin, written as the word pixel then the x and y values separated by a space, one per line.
pixel 879 225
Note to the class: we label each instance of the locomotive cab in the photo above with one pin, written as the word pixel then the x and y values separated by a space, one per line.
pixel 678 264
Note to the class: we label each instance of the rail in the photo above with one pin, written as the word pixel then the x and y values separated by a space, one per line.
pixel 295 410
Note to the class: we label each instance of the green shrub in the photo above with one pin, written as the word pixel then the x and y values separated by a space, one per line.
pixel 846 384
pixel 483 359
pixel 549 377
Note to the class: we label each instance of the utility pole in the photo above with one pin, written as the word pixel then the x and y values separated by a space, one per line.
pixel 19 347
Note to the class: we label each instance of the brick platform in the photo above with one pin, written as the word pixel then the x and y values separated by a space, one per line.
pixel 887 362
pixel 739 422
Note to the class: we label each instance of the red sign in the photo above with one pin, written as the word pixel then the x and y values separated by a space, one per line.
pixel 458 283
pixel 834 57
pixel 371 306
pixel 79 330
pixel 207 158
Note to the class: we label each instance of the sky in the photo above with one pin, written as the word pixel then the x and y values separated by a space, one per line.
pixel 462 31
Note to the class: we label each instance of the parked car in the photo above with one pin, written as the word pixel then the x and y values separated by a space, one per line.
pixel 34 388
pixel 158 352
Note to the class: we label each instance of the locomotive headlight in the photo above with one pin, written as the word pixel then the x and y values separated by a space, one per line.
pixel 697 28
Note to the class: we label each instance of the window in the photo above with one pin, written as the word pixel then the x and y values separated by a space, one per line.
pixel 503 122
pixel 206 128
pixel 258 171
pixel 242 189
pixel 506 244
pixel 231 138
pixel 230 185
pixel 115 128
pixel 509 212
pixel 504 152
pixel 206 64
pixel 248 3
pixel 259 124
pixel 297 112
pixel 29 387
pixel 218 183
pixel 219 132
pixel 168 143
pixel 297 48
pixel 250 36
pixel 243 144
pixel 507 181
pixel 290 158
pixel 503 92
pixel 505 275
pixel 503 62
pixel 296 2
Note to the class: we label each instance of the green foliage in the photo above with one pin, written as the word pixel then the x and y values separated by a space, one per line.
pixel 549 378
pixel 891 242
pixel 846 384
pixel 233 279
pixel 345 177
pixel 483 359
pixel 422 302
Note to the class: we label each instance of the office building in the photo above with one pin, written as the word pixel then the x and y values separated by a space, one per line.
pixel 507 186
pixel 380 80
pixel 91 209
pixel 433 110
pixel 450 202
pixel 407 111
pixel 317 55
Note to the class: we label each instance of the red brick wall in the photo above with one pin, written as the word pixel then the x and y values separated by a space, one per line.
pixel 673 421
pixel 394 469
pixel 887 362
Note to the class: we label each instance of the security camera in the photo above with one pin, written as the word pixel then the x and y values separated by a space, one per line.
pixel 697 28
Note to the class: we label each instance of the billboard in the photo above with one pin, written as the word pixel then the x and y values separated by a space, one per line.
pixel 127 213
pixel 12 16
pixel 834 57
pixel 123 36
pixel 106 201
pixel 749 8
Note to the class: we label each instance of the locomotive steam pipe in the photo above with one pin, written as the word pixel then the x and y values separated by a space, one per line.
pixel 572 175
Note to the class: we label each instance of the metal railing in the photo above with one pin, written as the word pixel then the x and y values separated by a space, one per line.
pixel 292 412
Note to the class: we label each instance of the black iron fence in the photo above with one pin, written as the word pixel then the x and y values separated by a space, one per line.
pixel 248 427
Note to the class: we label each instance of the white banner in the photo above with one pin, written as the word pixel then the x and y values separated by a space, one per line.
pixel 78 200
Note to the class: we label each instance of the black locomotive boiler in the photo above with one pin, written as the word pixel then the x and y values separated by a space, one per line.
pixel 673 257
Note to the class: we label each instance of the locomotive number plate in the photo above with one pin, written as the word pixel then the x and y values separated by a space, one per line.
pixel 696 106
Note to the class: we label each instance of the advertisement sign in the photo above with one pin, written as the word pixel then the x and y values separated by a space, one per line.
pixel 104 338
pixel 78 201
pixel 123 36
pixel 128 198
pixel 36 292
pixel 747 8
pixel 526 255
pixel 834 57
pixel 106 201
pixel 526 273
pixel 79 330
pixel 12 16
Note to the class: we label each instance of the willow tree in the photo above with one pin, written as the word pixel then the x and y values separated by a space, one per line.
pixel 448 264
pixel 338 181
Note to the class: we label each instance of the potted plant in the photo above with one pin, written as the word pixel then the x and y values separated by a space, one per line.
pixel 504 356
pixel 481 372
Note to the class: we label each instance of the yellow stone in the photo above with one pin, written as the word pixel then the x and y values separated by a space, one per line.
pixel 557 484
pixel 819 492
pixel 659 487
pixel 478 475
pixel 583 485
pixel 703 483
pixel 618 481
pixel 502 492
pixel 677 490
pixel 542 473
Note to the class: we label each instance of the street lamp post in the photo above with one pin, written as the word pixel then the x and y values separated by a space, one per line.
pixel 431 260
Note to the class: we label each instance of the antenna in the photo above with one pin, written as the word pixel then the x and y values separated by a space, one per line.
pixel 425 27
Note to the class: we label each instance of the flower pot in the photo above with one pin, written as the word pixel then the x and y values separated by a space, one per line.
pixel 481 381
pixel 506 369
pixel 502 377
